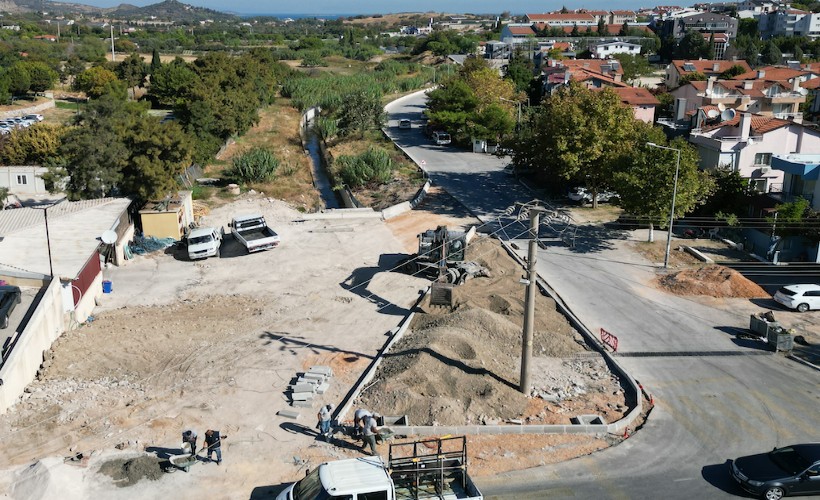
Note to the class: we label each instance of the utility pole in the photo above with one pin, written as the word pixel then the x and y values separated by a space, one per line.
pixel 529 305
pixel 112 42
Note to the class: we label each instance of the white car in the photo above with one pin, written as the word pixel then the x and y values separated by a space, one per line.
pixel 581 195
pixel 33 118
pixel 405 124
pixel 800 297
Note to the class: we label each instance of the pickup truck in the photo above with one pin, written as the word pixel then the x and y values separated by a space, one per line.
pixel 204 242
pixel 253 233
pixel 435 475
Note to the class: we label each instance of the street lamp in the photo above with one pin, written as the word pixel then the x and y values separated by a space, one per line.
pixel 674 195
pixel 519 108
pixel 48 239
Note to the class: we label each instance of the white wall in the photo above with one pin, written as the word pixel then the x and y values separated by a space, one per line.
pixel 9 177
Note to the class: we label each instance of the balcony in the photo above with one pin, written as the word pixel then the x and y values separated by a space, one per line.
pixel 797 117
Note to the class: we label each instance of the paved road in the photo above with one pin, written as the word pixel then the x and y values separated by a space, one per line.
pixel 716 396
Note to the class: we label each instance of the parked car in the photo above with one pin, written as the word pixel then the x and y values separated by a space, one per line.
pixel 34 117
pixel 10 296
pixel 252 232
pixel 800 297
pixel 405 124
pixel 792 470
pixel 582 195
pixel 204 242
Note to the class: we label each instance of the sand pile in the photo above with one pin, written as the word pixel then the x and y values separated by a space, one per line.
pixel 463 366
pixel 714 281
pixel 126 472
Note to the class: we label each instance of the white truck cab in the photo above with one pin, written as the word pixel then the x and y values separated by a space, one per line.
pixel 204 242
pixel 363 478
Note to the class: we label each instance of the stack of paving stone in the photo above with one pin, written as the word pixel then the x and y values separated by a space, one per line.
pixel 315 381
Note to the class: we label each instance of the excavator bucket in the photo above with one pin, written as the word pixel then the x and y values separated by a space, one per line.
pixel 441 294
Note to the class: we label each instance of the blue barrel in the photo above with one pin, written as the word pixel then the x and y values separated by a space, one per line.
pixel 107 286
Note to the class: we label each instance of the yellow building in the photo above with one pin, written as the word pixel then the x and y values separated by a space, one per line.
pixel 168 218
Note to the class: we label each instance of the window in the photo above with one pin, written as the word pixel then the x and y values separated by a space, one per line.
pixel 22 179
pixel 763 159
pixel 375 495
pixel 759 185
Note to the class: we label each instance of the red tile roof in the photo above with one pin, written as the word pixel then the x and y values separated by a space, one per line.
pixel 707 65
pixel 758 87
pixel 521 30
pixel 719 37
pixel 596 12
pixel 814 83
pixel 636 96
pixel 623 12
pixel 560 17
pixel 594 65
pixel 760 124
pixel 771 73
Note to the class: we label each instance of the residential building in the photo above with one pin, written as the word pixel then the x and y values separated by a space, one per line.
pixel 642 102
pixel 757 6
pixel 605 50
pixel 746 144
pixel 515 33
pixel 779 99
pixel 569 19
pixel 597 14
pixel 622 16
pixel 709 67
pixel 801 173
pixel 720 42
pixel 789 22
pixel 23 181
pixel 702 22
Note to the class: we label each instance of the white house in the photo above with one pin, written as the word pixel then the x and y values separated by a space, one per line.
pixel 607 49
pixel 747 142
pixel 23 180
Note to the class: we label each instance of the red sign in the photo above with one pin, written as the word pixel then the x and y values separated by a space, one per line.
pixel 609 339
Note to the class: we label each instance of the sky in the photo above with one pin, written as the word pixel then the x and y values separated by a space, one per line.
pixel 331 7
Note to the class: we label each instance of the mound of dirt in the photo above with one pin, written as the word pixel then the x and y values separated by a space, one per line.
pixel 714 281
pixel 463 366
pixel 126 472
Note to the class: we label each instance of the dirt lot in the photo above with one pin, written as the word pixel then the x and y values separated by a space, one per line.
pixel 214 344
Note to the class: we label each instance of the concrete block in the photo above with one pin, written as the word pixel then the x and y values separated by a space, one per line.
pixel 314 376
pixel 288 414
pixel 301 396
pixel 321 370
pixel 303 387
pixel 302 404
pixel 323 388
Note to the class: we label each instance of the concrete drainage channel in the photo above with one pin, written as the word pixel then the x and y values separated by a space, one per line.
pixel 582 424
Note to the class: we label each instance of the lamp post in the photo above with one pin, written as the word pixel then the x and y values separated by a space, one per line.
pixel 674 195
pixel 518 123
pixel 48 238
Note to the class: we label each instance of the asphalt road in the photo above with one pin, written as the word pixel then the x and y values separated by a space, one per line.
pixel 717 396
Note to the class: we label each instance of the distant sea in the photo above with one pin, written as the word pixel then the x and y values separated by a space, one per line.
pixel 298 16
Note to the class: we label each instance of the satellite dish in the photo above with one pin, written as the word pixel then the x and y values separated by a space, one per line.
pixel 713 113
pixel 109 237
pixel 721 106
pixel 727 114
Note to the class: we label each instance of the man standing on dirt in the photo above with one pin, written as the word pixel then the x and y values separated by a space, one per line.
pixel 358 420
pixel 371 430
pixel 189 436
pixel 324 421
pixel 214 443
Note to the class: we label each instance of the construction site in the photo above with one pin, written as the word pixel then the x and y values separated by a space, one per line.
pixel 219 343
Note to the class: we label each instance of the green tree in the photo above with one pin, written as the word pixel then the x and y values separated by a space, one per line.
pixel 42 76
pixel 578 134
pixel 624 29
pixel 710 50
pixel 32 145
pixel 732 72
pixel 692 46
pixel 633 65
pixel 645 180
pixel 730 196
pixel 172 82
pixel 695 76
pixel 602 29
pixel 574 31
pixel 770 54
pixel 520 72
pixel 97 81
pixel 156 62
pixel 19 79
pixel 132 71
pixel 361 111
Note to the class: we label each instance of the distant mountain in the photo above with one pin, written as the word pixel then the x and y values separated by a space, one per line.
pixel 169 10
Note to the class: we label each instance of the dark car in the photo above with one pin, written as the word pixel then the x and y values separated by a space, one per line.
pixel 9 298
pixel 792 470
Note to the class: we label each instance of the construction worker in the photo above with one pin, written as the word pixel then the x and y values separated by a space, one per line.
pixel 213 441
pixel 371 430
pixel 358 420
pixel 189 436
pixel 324 421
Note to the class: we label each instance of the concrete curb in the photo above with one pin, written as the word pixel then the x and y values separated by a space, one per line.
pixel 697 254
pixel 803 362
pixel 632 385
pixel 344 213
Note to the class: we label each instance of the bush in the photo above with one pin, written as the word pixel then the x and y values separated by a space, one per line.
pixel 257 165
pixel 375 166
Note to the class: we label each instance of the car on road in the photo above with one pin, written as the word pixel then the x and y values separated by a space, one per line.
pixel 441 138
pixel 799 297
pixel 405 124
pixel 791 470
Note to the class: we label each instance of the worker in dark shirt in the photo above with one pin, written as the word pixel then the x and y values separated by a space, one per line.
pixel 214 443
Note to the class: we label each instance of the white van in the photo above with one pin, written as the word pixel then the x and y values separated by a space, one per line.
pixel 441 138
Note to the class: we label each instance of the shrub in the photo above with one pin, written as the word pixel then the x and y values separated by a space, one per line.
pixel 374 166
pixel 256 165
